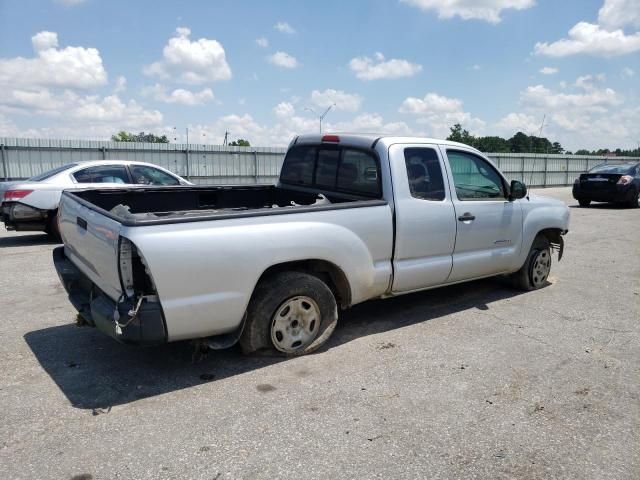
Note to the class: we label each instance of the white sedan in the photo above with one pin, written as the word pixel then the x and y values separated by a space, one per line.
pixel 32 205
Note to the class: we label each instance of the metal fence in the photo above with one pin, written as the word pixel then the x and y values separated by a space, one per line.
pixel 25 157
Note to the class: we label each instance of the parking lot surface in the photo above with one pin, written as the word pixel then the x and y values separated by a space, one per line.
pixel 469 381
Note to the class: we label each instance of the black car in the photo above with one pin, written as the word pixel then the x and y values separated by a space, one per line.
pixel 609 182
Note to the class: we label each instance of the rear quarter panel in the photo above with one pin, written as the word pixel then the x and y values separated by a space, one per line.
pixel 205 272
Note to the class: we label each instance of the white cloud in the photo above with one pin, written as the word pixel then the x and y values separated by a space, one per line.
pixel 288 125
pixel 619 13
pixel 548 70
pixel 586 115
pixel 476 67
pixel 518 122
pixel 69 67
pixel 85 115
pixel 284 27
pixel 372 123
pixel 179 95
pixel 343 101
pixel 628 72
pixel 262 42
pixel 592 100
pixel 487 10
pixel 366 68
pixel 121 84
pixel 283 60
pixel 284 110
pixel 591 39
pixel 44 41
pixel 439 113
pixel 191 62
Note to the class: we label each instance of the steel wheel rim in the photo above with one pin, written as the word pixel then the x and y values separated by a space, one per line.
pixel 541 268
pixel 295 324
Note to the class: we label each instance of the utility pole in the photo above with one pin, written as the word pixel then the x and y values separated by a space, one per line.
pixel 187 153
pixel 225 142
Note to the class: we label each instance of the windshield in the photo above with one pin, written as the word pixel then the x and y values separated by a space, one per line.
pixel 622 169
pixel 51 173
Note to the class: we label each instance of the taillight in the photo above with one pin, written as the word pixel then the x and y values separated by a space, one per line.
pixel 13 195
pixel 331 138
pixel 625 180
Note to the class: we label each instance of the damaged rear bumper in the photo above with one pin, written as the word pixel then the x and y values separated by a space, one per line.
pixel 147 328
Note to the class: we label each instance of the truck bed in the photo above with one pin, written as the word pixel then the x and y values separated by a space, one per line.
pixel 161 205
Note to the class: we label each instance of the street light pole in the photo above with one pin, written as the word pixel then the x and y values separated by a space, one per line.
pixel 321 117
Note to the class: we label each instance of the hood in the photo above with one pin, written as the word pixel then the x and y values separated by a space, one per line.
pixel 544 200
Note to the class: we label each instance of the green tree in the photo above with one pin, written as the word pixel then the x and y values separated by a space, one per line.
pixel 556 148
pixel 241 142
pixel 458 134
pixel 491 144
pixel 123 136
pixel 520 143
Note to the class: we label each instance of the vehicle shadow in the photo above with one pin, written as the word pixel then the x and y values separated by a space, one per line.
pixel 95 372
pixel 26 240
pixel 602 206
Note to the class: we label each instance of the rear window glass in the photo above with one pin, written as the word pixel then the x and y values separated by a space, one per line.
pixel 51 173
pixel 358 173
pixel 298 166
pixel 623 169
pixel 332 168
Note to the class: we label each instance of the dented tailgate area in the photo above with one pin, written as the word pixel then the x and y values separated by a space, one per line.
pixel 136 318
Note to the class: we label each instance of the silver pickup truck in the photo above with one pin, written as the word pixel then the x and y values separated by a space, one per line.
pixel 352 218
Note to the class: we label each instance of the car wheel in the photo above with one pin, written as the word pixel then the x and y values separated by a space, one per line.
pixel 291 314
pixel 535 271
pixel 53 227
pixel 584 203
pixel 634 199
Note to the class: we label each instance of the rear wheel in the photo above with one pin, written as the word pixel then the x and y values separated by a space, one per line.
pixel 290 313
pixel 53 226
pixel 584 203
pixel 535 271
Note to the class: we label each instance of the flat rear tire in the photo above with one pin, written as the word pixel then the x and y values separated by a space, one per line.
pixel 290 314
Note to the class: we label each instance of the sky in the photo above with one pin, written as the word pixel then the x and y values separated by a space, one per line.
pixel 265 70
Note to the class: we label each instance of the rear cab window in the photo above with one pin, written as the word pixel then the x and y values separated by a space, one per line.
pixel 333 168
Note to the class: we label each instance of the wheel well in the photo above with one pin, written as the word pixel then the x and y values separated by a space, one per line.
pixel 554 235
pixel 329 273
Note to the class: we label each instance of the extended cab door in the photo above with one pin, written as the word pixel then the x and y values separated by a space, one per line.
pixel 425 217
pixel 489 226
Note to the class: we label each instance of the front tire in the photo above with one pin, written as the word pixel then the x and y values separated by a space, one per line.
pixel 291 314
pixel 535 271
pixel 584 203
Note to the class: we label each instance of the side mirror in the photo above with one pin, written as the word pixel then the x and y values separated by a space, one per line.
pixel 517 190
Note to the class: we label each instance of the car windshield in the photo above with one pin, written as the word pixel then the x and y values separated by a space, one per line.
pixel 51 173
pixel 620 168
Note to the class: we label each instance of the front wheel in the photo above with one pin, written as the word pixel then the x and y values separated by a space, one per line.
pixel 634 199
pixel 535 271
pixel 584 203
pixel 291 313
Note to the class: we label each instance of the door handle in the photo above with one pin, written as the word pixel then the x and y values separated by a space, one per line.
pixel 466 217
pixel 81 222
